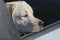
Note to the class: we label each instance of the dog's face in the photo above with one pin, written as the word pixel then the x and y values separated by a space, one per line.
pixel 23 18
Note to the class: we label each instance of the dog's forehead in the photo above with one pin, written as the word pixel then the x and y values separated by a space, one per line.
pixel 22 8
pixel 18 11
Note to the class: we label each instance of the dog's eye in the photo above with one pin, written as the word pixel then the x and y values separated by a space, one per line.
pixel 25 16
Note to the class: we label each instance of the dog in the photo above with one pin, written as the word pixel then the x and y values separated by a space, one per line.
pixel 23 18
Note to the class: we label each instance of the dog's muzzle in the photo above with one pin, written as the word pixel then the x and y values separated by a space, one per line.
pixel 41 24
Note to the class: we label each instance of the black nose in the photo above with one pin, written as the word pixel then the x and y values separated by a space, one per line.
pixel 41 23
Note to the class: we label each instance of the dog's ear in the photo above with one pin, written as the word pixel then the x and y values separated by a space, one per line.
pixel 10 7
pixel 13 6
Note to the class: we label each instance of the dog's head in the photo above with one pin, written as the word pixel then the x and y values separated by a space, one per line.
pixel 22 15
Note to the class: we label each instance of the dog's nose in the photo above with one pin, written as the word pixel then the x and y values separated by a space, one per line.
pixel 41 23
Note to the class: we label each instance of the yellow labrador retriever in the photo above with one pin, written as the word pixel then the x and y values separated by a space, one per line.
pixel 22 15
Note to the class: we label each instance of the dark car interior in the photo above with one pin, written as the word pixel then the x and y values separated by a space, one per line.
pixel 46 10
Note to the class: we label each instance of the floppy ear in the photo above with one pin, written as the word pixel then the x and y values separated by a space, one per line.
pixel 13 16
pixel 11 7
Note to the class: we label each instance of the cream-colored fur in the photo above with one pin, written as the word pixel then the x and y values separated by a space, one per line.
pixel 22 15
